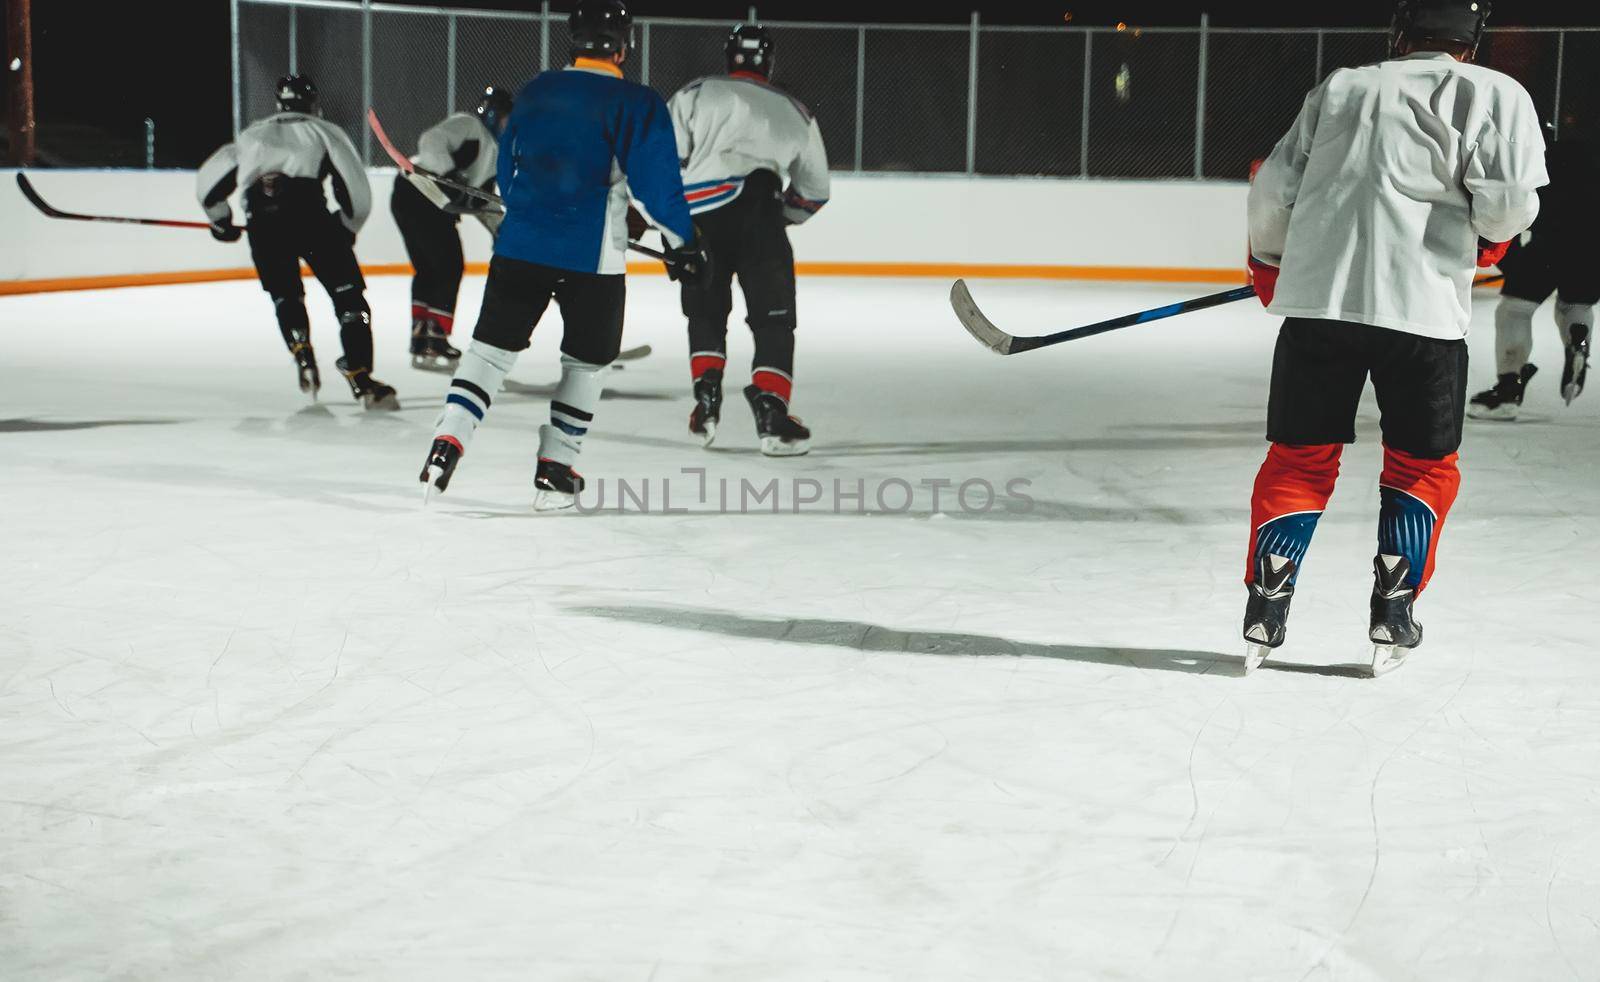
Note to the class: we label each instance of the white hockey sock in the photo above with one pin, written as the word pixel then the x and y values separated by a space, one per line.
pixel 571 410
pixel 1569 315
pixel 477 381
pixel 1513 334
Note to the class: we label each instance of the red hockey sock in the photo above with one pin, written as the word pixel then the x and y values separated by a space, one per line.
pixel 773 381
pixel 1291 491
pixel 1415 495
pixel 423 312
pixel 701 362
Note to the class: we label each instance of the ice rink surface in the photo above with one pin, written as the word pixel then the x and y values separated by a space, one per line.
pixel 263 717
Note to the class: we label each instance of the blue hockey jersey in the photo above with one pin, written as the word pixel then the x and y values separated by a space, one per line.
pixel 579 142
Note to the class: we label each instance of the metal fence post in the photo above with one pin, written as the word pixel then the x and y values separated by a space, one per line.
pixel 1320 37
pixel 644 54
pixel 450 64
pixel 752 13
pixel 238 102
pixel 1561 69
pixel 972 97
pixel 861 92
pixel 294 40
pixel 366 78
pixel 1200 101
pixel 544 36
pixel 149 143
pixel 1083 138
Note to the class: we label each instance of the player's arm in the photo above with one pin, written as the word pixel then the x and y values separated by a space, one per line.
pixel 1277 185
pixel 808 180
pixel 216 179
pixel 681 108
pixel 647 152
pixel 1506 168
pixel 351 189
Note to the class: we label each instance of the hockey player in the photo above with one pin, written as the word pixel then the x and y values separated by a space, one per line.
pixel 463 147
pixel 1363 224
pixel 280 162
pixel 1561 258
pixel 579 142
pixel 739 138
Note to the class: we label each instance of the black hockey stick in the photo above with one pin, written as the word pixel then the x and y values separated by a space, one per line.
pixel 488 197
pixel 26 187
pixel 1000 342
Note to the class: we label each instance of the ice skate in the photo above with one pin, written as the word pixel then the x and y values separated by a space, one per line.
pixel 431 350
pixel 556 486
pixel 781 434
pixel 305 366
pixel 1394 630
pixel 707 410
pixel 440 466
pixel 1577 367
pixel 372 393
pixel 1266 613
pixel 1504 401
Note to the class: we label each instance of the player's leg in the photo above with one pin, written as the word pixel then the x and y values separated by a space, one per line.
pixel 514 298
pixel 278 268
pixel 706 305
pixel 329 249
pixel 1529 281
pixel 433 244
pixel 1318 372
pixel 591 315
pixel 1421 388
pixel 766 276
pixel 1577 296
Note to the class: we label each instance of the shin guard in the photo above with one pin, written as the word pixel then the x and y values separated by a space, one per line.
pixel 1415 495
pixel 477 381
pixel 1291 492
pixel 571 411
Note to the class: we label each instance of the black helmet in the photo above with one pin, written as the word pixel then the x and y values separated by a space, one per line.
pixel 1457 21
pixel 297 94
pixel 749 49
pixel 494 108
pixel 600 28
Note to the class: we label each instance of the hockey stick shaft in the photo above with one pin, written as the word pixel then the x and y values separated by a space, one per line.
pixel 26 187
pixel 405 164
pixel 999 341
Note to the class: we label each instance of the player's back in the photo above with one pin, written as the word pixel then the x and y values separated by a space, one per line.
pixel 737 124
pixel 291 144
pixel 574 138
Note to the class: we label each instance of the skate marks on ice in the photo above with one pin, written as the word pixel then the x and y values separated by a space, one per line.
pixel 545 390
pixel 27 424
pixel 862 636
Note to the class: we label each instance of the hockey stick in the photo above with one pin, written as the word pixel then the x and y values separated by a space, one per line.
pixel 1000 342
pixel 489 197
pixel 26 187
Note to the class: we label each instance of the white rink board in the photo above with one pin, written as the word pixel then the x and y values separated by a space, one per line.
pixel 869 219
pixel 264 718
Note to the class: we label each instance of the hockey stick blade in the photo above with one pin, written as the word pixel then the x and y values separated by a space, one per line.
pixel 975 322
pixel 28 191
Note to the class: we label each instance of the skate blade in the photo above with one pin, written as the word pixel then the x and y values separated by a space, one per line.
pixel 709 433
pixel 1571 392
pixel 773 446
pixel 429 487
pixel 553 501
pixel 432 363
pixel 1503 414
pixel 1386 658
pixel 1254 655
pixel 388 404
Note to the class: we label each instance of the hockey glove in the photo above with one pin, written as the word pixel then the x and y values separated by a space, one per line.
pixel 1264 277
pixel 1490 253
pixel 226 231
pixel 688 263
pixel 637 226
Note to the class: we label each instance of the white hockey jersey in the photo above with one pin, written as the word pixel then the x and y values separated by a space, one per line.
pixel 1373 203
pixel 731 126
pixel 460 145
pixel 293 145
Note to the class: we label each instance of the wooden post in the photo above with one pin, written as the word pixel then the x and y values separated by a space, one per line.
pixel 19 68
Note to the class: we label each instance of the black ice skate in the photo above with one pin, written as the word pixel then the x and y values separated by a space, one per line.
pixel 370 392
pixel 707 411
pixel 305 367
pixel 781 434
pixel 441 464
pixel 1504 400
pixel 556 486
pixel 431 350
pixel 1266 613
pixel 1394 630
pixel 1577 368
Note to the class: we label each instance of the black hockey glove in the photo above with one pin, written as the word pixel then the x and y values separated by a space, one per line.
pixel 226 231
pixel 688 263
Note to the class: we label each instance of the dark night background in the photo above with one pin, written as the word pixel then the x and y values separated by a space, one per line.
pixel 101 68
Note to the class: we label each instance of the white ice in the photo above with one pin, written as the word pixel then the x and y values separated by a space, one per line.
pixel 263 717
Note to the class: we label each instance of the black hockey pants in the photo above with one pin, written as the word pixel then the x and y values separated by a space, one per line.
pixel 434 245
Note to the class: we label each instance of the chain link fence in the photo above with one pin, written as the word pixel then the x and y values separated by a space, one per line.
pixel 1158 103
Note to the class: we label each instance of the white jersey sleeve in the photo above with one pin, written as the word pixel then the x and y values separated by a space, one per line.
pixel 808 179
pixel 462 146
pixel 1505 166
pixel 1277 184
pixel 351 189
pixel 215 181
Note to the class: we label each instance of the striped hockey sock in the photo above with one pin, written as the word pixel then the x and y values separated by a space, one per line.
pixel 773 380
pixel 477 380
pixel 571 411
